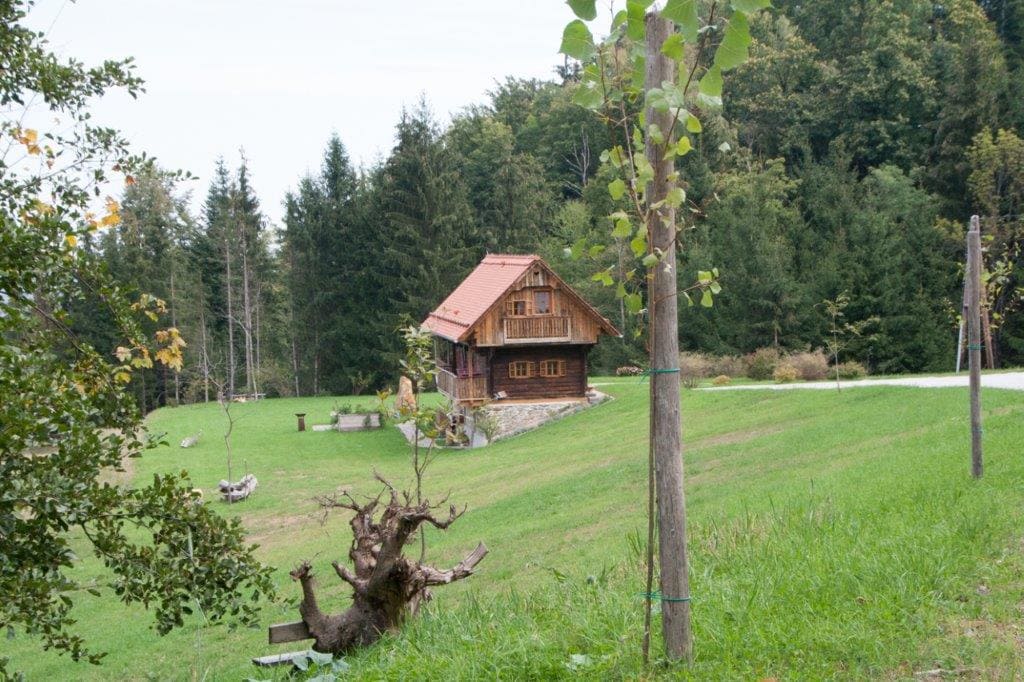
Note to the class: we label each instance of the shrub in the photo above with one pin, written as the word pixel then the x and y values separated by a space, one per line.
pixel 693 367
pixel 784 372
pixel 761 363
pixel 721 380
pixel 728 365
pixel 486 423
pixel 628 371
pixel 851 369
pixel 810 365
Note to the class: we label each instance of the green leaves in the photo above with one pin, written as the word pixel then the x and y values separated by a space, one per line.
pixel 684 14
pixel 655 135
pixel 584 9
pixel 634 303
pixel 668 96
pixel 733 50
pixel 623 227
pixel 577 249
pixel 693 124
pixel 750 6
pixel 673 47
pixel 616 188
pixel 675 197
pixel 577 41
pixel 683 146
pixel 636 11
pixel 708 282
pixel 710 88
pixel 638 245
pixel 588 96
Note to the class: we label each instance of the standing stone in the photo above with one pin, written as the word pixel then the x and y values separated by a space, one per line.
pixel 405 401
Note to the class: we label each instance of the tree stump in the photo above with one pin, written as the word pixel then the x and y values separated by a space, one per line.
pixel 233 492
pixel 387 587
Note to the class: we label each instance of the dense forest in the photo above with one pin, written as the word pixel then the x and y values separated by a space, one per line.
pixel 861 137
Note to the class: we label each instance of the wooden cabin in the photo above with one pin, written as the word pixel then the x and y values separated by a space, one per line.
pixel 513 330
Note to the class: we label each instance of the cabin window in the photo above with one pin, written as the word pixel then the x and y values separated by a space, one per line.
pixel 516 308
pixel 520 369
pixel 542 302
pixel 552 368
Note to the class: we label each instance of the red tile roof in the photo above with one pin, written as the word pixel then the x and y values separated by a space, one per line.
pixel 483 288
pixel 477 293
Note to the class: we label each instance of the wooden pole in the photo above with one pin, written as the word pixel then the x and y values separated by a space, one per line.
pixel 666 423
pixel 974 339
pixel 986 335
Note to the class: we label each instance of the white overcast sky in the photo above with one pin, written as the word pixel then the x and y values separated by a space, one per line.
pixel 277 78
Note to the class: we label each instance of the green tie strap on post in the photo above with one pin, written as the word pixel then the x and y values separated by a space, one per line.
pixel 974 346
pixel 659 596
pixel 649 372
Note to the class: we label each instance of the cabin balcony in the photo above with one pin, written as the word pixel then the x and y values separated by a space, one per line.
pixel 537 329
pixel 461 388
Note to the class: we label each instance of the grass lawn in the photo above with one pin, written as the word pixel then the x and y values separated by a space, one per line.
pixel 834 536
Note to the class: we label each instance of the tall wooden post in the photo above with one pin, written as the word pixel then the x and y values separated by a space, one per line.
pixel 666 427
pixel 974 339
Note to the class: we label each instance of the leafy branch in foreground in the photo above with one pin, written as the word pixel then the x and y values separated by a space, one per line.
pixel 66 421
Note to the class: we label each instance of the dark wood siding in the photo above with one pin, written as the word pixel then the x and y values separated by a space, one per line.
pixel 573 384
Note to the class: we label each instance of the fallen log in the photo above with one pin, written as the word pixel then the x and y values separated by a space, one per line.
pixel 233 492
pixel 191 440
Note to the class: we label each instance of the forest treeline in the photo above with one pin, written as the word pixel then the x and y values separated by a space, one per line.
pixel 861 137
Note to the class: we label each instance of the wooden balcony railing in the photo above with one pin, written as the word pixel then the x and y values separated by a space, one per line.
pixel 547 327
pixel 468 388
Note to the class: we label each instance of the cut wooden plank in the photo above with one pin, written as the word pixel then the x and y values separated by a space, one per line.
pixel 288 632
pixel 277 659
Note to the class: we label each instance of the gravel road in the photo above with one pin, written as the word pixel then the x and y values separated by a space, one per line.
pixel 1009 380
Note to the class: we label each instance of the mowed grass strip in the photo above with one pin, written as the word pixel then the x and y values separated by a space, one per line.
pixel 833 536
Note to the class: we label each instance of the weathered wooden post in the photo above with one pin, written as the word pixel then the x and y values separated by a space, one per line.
pixel 301 416
pixel 666 426
pixel 974 339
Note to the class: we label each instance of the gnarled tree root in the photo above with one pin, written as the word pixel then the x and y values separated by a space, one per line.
pixel 387 587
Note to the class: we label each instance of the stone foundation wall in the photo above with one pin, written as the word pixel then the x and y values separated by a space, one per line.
pixel 511 419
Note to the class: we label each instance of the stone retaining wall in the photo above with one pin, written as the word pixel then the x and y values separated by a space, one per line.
pixel 511 419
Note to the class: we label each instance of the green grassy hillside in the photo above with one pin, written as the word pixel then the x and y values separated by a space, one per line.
pixel 834 536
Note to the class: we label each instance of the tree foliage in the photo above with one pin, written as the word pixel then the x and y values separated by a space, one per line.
pixel 836 158
pixel 68 423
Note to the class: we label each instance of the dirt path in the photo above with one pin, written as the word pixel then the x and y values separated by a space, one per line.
pixel 1010 380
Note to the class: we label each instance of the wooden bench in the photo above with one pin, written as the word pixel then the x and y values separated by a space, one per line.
pixel 279 634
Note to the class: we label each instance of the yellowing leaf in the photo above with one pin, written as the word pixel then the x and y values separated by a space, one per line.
pixel 170 357
pixel 71 240
pixel 122 354
pixel 123 376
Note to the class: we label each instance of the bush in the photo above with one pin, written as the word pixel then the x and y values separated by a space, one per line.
pixel 628 371
pixel 728 365
pixel 784 372
pixel 693 367
pixel 851 369
pixel 810 365
pixel 721 380
pixel 760 364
